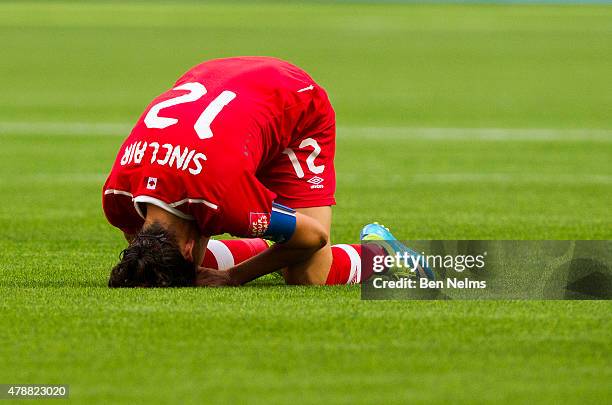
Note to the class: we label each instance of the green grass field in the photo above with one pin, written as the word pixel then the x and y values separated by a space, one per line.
pixel 470 122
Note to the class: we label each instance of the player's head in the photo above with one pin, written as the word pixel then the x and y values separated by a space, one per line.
pixel 155 258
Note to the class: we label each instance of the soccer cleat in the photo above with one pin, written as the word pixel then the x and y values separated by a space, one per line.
pixel 377 232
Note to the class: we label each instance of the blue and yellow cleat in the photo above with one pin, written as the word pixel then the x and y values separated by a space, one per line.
pixel 377 232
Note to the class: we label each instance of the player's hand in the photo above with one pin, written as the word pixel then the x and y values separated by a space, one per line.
pixel 206 277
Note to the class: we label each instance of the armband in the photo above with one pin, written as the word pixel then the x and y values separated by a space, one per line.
pixel 282 224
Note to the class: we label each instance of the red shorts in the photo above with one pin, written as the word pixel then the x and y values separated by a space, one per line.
pixel 303 175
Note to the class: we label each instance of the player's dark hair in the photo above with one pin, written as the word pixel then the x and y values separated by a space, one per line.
pixel 153 259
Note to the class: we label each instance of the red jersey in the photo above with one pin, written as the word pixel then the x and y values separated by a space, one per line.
pixel 198 147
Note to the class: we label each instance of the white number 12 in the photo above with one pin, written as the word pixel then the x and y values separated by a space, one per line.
pixel 314 168
pixel 196 91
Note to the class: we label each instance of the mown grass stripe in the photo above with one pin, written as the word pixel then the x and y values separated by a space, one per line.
pixel 25 128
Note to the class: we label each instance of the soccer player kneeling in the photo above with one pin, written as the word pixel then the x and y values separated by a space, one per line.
pixel 243 146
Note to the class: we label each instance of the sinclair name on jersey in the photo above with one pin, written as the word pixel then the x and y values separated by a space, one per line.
pixel 173 156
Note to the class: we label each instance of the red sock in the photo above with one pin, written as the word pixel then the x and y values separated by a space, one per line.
pixel 345 267
pixel 223 254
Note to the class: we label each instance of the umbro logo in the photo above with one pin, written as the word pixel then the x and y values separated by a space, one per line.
pixel 316 182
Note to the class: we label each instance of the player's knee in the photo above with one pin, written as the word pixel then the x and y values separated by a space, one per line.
pixel 317 239
pixel 320 238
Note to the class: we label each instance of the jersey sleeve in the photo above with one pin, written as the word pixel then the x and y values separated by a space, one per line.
pixel 118 206
pixel 246 209
pixel 120 213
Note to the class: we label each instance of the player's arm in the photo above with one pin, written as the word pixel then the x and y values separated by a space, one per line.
pixel 308 236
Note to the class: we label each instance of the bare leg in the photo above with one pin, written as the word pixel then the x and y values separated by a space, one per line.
pixel 313 271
